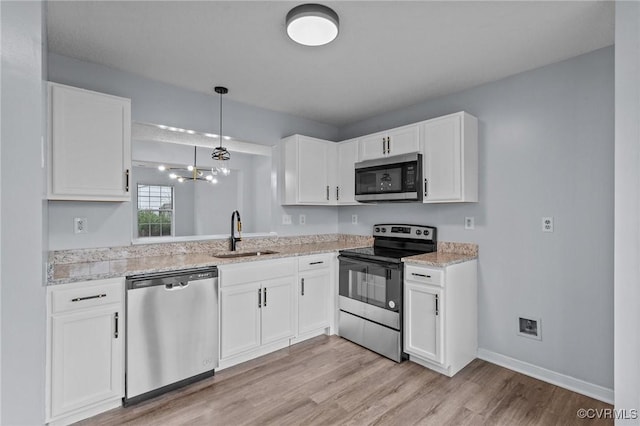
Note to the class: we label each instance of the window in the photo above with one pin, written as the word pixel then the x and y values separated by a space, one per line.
pixel 155 211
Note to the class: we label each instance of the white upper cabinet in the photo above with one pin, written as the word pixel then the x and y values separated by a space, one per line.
pixel 347 155
pixel 450 158
pixel 307 164
pixel 401 140
pixel 89 145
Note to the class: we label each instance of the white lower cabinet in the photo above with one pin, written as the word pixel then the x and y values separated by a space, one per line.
pixel 85 344
pixel 315 286
pixel 440 316
pixel 257 308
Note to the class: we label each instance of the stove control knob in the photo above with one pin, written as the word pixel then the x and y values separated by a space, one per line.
pixel 384 230
pixel 392 304
pixel 418 232
pixel 426 232
pixel 377 229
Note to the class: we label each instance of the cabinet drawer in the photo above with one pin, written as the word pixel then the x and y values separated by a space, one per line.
pixel 309 263
pixel 424 275
pixel 241 273
pixel 75 296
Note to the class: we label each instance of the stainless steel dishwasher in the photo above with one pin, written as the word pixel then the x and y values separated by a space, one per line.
pixel 172 331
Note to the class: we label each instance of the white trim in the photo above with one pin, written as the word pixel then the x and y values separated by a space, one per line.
pixel 576 385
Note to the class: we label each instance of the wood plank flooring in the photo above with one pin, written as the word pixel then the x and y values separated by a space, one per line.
pixel 329 380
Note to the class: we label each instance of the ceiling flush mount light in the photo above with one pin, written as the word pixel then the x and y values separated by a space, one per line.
pixel 312 24
pixel 220 153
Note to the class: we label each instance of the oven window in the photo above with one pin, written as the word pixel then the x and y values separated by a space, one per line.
pixel 370 283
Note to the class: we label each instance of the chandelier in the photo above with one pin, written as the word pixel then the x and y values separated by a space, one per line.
pixel 192 172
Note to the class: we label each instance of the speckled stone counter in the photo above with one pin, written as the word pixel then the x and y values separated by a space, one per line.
pixel 448 254
pixel 67 266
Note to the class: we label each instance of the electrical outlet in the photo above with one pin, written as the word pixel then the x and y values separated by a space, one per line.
pixel 80 225
pixel 302 219
pixel 286 219
pixel 354 219
pixel 469 222
pixel 547 224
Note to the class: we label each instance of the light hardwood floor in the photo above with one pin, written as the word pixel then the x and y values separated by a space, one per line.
pixel 329 380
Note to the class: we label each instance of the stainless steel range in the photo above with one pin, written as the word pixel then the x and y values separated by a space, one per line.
pixel 371 284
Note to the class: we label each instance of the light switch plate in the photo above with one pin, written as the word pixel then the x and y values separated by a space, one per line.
pixel 302 219
pixel 286 219
pixel 547 224
pixel 354 219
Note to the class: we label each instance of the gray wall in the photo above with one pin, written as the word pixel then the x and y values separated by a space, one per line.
pixel 155 102
pixel 22 348
pixel 627 208
pixel 545 149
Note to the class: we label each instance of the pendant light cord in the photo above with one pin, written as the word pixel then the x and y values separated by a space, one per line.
pixel 220 119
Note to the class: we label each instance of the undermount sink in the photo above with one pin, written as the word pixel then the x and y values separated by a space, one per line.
pixel 244 254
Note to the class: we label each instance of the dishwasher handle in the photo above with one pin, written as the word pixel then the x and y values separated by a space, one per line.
pixel 175 286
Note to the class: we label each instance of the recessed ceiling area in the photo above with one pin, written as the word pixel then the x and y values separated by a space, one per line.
pixel 388 54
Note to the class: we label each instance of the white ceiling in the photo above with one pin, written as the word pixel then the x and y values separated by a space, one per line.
pixel 388 54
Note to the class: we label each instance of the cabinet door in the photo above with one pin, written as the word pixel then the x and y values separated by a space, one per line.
pixel 90 140
pixel 313 183
pixel 403 140
pixel 347 156
pixel 423 321
pixel 372 146
pixel 278 309
pixel 86 359
pixel 239 319
pixel 313 300
pixel 442 159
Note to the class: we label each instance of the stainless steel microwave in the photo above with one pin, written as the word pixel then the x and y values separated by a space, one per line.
pixel 396 178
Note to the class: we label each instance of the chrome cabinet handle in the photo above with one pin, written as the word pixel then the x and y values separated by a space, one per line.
pixel 126 185
pixel 80 299
pixel 327 192
pixel 265 298
pixel 115 332
pixel 259 298
pixel 302 287
pixel 437 309
pixel 420 275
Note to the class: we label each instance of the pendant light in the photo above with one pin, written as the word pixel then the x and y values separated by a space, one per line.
pixel 312 24
pixel 220 153
pixel 190 173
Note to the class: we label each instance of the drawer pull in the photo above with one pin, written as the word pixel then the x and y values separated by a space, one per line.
pixel 420 275
pixel 115 333
pixel 316 263
pixel 80 299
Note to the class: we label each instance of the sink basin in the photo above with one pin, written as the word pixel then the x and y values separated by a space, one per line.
pixel 244 254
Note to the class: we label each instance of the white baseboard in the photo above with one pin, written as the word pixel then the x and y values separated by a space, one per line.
pixel 576 385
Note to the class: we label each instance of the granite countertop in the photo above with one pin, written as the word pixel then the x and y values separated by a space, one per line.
pixel 81 271
pixel 91 264
pixel 447 254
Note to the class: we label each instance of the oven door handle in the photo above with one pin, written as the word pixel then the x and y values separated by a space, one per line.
pixel 360 261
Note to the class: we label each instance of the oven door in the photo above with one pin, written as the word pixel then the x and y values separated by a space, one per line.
pixel 372 283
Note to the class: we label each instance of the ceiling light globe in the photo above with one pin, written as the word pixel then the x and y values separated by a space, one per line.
pixel 312 24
